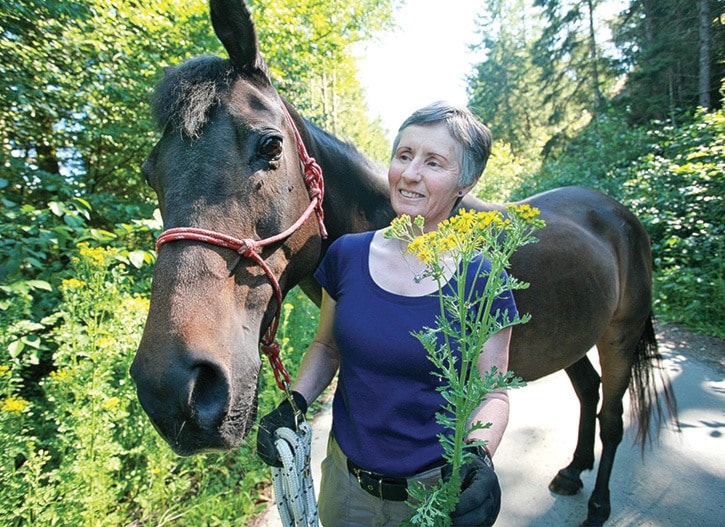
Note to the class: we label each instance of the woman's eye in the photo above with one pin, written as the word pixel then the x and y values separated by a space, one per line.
pixel 271 148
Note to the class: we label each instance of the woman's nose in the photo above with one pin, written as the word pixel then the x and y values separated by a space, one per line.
pixel 412 171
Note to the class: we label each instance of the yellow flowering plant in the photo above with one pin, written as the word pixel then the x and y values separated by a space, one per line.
pixel 465 323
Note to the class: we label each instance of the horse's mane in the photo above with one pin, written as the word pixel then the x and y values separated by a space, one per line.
pixel 340 149
pixel 188 91
pixel 360 180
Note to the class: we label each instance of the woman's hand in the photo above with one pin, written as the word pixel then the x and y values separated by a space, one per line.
pixel 480 499
pixel 284 416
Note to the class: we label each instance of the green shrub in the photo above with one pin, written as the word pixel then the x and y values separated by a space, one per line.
pixel 677 191
pixel 673 179
pixel 79 449
pixel 504 173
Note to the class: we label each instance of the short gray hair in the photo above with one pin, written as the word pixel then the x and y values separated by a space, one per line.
pixel 473 136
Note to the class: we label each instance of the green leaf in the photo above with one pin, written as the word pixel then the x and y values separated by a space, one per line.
pixel 102 235
pixel 15 348
pixel 56 208
pixel 32 340
pixel 137 258
pixel 40 284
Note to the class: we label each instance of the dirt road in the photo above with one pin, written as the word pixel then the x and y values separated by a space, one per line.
pixel 679 483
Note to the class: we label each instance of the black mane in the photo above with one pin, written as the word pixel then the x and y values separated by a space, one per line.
pixel 187 93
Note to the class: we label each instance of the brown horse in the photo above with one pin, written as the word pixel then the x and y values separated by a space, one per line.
pixel 229 162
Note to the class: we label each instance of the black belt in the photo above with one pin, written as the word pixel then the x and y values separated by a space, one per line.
pixel 383 487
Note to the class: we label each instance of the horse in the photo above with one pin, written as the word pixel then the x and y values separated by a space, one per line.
pixel 234 176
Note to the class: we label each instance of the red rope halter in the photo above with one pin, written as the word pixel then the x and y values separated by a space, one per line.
pixel 248 248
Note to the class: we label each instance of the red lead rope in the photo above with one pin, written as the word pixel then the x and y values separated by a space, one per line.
pixel 248 248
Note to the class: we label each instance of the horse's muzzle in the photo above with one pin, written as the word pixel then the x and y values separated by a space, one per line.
pixel 194 409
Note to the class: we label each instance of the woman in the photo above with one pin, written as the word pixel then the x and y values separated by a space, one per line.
pixel 384 432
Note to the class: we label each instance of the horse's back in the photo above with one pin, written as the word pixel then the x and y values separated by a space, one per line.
pixel 590 269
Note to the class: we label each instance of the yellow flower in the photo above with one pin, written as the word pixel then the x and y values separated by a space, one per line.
pixel 59 375
pixel 399 225
pixel 135 303
pixel 104 342
pixel 97 256
pixel 111 402
pixel 14 405
pixel 452 241
pixel 416 245
pixel 525 212
pixel 466 231
pixel 72 283
pixel 464 221
pixel 484 219
pixel 402 220
pixel 4 370
pixel 424 247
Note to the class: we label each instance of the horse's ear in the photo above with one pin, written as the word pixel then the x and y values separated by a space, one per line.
pixel 233 25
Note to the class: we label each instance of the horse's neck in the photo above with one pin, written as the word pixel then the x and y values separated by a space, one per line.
pixel 471 202
pixel 356 192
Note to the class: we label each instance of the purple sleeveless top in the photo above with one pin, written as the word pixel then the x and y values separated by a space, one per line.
pixel 386 400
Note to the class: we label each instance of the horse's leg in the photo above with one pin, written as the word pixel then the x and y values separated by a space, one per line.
pixel 585 380
pixel 616 354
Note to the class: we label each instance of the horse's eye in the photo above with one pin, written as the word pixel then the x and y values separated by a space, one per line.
pixel 271 148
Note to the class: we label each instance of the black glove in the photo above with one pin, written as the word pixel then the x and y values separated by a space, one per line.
pixel 480 499
pixel 281 417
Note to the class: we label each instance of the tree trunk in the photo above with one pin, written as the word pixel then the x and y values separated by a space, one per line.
pixel 593 59
pixel 704 99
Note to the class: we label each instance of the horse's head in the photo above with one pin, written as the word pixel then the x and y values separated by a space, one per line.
pixel 227 162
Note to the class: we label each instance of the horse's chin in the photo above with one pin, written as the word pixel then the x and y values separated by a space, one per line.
pixel 194 439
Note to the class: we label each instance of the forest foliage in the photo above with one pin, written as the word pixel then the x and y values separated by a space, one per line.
pixel 637 114
pixel 630 104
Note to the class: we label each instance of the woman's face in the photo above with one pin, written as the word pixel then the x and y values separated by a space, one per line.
pixel 423 173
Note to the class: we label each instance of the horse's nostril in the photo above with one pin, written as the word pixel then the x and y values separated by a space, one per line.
pixel 209 396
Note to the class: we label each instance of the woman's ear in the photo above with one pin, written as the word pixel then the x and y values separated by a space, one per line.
pixel 462 191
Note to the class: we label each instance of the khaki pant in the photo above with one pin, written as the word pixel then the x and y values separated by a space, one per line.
pixel 342 503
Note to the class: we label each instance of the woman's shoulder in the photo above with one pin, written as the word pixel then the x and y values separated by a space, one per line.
pixel 340 259
pixel 354 240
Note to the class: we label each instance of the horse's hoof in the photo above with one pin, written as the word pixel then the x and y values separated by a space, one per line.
pixel 598 512
pixel 565 485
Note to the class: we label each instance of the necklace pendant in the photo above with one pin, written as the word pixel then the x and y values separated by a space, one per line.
pixel 417 278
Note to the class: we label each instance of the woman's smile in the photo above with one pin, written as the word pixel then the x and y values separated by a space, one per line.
pixel 410 194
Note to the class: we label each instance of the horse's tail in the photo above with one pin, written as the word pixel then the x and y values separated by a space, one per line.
pixel 646 404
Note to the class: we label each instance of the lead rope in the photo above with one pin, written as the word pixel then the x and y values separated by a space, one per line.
pixel 294 490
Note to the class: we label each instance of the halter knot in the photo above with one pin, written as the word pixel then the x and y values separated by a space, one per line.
pixel 248 247
pixel 316 188
pixel 312 174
